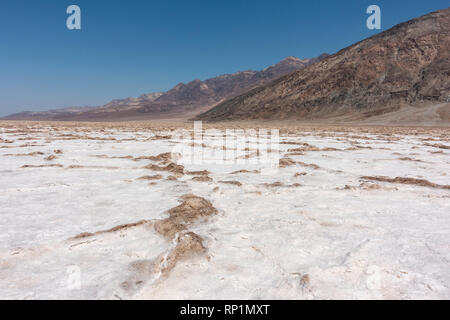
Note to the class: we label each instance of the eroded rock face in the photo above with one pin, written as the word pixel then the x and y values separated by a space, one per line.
pixel 408 63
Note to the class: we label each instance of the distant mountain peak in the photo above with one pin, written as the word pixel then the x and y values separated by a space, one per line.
pixel 293 59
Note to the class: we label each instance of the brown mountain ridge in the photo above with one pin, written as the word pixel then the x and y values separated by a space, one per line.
pixel 191 98
pixel 408 64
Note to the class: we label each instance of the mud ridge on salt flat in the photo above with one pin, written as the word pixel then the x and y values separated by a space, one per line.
pixel 350 213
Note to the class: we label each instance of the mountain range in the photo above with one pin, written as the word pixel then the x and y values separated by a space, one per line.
pixel 407 65
pixel 183 100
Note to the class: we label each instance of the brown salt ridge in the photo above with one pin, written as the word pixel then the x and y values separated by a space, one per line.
pixel 198 173
pixel 76 137
pixel 298 174
pixel 174 228
pixel 154 177
pixel 310 165
pixel 192 208
pixel 171 167
pixel 188 245
pixel 245 171
pixel 438 145
pixel 104 156
pixel 273 185
pixel 42 165
pixel 114 229
pixel 409 159
pixel 51 157
pixel 233 182
pixel 202 179
pixel 36 153
pixel 158 137
pixel 403 180
pixel 312 148
pixel 286 162
pixel 77 166
pixel 164 158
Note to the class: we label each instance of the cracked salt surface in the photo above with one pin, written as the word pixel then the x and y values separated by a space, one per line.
pixel 332 236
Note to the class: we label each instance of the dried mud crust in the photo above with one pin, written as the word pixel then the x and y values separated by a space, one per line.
pixel 198 173
pixel 188 245
pixel 176 169
pixel 36 153
pixel 154 177
pixel 42 166
pixel 202 179
pixel 192 208
pixel 185 243
pixel 111 230
pixel 175 228
pixel 233 182
pixel 162 158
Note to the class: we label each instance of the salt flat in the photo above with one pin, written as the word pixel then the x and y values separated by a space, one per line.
pixel 111 212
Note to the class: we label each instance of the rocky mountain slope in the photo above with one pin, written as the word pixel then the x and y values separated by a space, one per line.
pixel 193 97
pixel 55 113
pixel 408 64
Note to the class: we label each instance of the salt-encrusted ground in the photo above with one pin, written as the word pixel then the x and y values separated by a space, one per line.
pixel 350 213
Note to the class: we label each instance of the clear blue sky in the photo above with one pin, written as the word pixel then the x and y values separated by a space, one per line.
pixel 127 48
